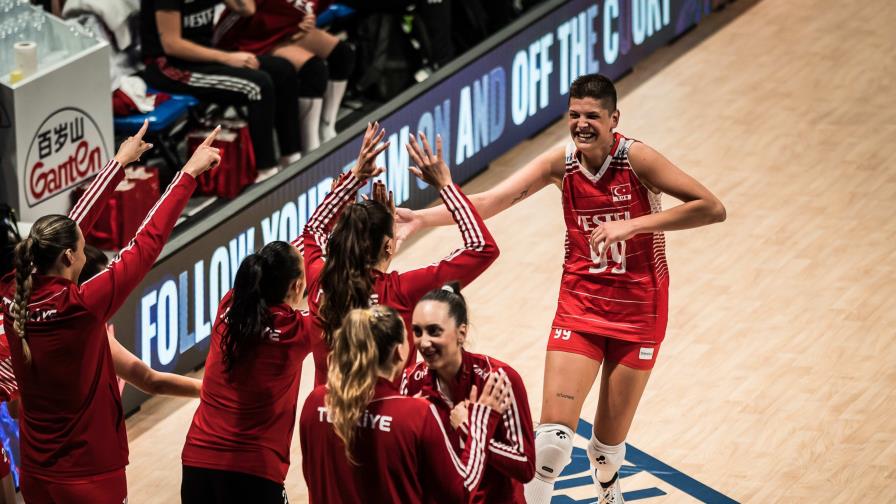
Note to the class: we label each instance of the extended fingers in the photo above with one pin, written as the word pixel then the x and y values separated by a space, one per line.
pixel 212 136
pixel 426 148
pixel 142 131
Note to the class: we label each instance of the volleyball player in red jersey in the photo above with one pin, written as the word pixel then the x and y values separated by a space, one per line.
pixel 360 247
pixel 446 376
pixel 73 440
pixel 237 448
pixel 613 293
pixel 362 441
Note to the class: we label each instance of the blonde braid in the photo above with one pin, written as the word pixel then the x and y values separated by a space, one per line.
pixel 24 264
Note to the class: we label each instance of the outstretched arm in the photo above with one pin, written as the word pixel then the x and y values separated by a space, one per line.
pixel 531 178
pixel 104 293
pixel 134 371
pixel 699 208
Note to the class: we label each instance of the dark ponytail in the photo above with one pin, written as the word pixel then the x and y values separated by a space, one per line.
pixel 49 238
pixel 451 296
pixel 262 281
pixel 353 250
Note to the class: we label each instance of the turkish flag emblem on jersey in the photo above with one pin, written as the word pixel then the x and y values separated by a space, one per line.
pixel 621 192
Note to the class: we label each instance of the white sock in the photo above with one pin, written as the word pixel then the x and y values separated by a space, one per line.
pixel 332 99
pixel 605 459
pixel 539 491
pixel 309 123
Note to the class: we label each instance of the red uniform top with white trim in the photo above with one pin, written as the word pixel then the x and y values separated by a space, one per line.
pixel 9 388
pixel 245 419
pixel 511 458
pixel 72 422
pixel 400 291
pixel 402 450
pixel 624 293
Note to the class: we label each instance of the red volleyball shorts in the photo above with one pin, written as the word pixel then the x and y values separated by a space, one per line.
pixel 631 354
pixel 107 488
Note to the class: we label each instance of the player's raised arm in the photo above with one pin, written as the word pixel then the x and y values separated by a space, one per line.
pixel 314 238
pixel 545 169
pixel 91 204
pixel 105 293
pixel 700 206
pixel 479 250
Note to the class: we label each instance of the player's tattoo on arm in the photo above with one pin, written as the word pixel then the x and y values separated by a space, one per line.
pixel 521 197
pixel 561 395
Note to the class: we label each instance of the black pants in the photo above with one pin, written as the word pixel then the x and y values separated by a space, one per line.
pixel 271 94
pixel 211 486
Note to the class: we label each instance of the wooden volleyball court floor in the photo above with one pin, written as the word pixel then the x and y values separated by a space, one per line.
pixel 776 382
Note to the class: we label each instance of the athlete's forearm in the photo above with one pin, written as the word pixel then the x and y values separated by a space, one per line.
pixel 685 216
pixel 170 384
pixel 440 215
pixel 136 372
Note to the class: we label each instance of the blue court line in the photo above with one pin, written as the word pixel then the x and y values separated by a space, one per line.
pixel 640 461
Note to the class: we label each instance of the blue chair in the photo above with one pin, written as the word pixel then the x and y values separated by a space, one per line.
pixel 162 121
pixel 333 13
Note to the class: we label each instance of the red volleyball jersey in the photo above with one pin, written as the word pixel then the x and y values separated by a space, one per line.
pixel 274 23
pixel 245 419
pixel 72 423
pixel 623 294
pixel 401 291
pixel 402 451
pixel 511 457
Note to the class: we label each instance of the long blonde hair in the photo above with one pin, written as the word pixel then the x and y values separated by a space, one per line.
pixel 362 346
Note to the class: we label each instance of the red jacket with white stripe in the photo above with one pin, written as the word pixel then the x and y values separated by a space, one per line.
pixel 511 458
pixel 401 291
pixel 72 423
pixel 402 451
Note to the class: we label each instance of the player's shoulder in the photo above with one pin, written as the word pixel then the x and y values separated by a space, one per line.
pixel 315 399
pixel 402 406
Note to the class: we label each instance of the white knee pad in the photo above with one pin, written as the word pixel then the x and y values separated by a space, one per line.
pixel 553 449
pixel 606 458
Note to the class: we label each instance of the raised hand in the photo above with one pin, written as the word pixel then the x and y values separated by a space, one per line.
pixel 495 393
pixel 365 167
pixel 428 167
pixel 407 222
pixel 133 147
pixel 381 195
pixel 205 157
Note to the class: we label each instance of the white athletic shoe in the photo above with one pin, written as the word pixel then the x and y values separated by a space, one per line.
pixel 610 494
